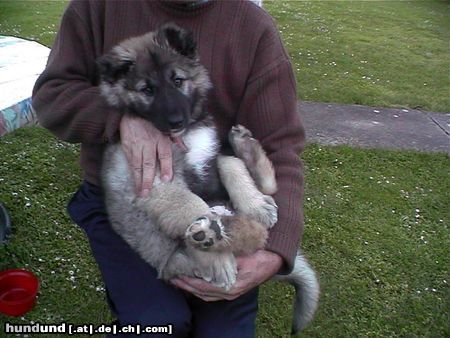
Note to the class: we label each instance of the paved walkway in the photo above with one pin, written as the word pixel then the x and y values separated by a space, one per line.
pixel 371 127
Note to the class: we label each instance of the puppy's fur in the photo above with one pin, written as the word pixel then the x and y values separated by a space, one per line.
pixel 158 77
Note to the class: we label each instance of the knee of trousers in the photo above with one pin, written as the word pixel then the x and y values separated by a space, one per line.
pixel 179 319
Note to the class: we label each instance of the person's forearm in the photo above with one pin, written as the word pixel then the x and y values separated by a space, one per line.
pixel 285 236
pixel 65 96
pixel 74 111
pixel 275 122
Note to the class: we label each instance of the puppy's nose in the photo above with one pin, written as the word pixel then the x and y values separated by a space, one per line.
pixel 199 236
pixel 176 126
pixel 175 123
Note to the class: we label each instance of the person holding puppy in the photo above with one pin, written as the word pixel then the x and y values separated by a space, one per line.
pixel 253 85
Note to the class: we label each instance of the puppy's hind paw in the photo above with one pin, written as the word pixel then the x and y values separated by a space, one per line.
pixel 216 268
pixel 239 131
pixel 224 273
pixel 205 276
pixel 207 233
pixel 242 142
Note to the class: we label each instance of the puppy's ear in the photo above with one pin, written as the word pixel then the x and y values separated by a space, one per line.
pixel 113 66
pixel 180 39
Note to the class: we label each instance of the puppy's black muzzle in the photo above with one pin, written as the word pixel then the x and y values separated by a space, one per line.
pixel 170 110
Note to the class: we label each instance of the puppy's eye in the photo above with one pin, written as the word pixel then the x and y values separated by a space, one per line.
pixel 178 82
pixel 149 90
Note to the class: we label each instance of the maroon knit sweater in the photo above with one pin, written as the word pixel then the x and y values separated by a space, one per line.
pixel 251 73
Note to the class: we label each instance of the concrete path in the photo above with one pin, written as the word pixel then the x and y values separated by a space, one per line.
pixel 371 127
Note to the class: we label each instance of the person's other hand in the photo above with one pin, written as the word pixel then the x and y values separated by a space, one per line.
pixel 253 270
pixel 144 147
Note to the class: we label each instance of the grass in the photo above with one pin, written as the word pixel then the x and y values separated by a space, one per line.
pixel 377 233
pixel 34 20
pixel 377 226
pixel 376 53
pixel 37 177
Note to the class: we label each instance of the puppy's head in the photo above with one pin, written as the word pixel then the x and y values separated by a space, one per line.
pixel 157 76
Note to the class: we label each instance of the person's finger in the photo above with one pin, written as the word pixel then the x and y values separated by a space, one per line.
pixel 165 159
pixel 209 298
pixel 132 150
pixel 204 290
pixel 202 285
pixel 134 156
pixel 148 170
pixel 194 291
pixel 179 283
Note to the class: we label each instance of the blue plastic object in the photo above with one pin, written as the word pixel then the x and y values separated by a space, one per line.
pixel 5 224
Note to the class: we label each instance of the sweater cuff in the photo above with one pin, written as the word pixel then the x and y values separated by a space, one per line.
pixel 111 134
pixel 284 246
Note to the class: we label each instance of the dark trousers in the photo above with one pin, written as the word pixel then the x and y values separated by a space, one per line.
pixel 136 296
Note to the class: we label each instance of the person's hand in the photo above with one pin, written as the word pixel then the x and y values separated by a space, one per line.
pixel 253 270
pixel 144 145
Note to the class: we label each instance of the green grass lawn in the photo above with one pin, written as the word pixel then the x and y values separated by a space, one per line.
pixel 376 231
pixel 376 221
pixel 383 53
pixel 30 19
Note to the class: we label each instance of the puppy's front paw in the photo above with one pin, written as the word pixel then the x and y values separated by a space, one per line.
pixel 207 233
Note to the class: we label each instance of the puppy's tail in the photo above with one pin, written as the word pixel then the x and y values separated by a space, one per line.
pixel 307 291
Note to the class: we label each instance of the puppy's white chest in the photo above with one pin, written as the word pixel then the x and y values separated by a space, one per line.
pixel 202 147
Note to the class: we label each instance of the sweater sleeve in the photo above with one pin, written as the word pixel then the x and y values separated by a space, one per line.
pixel 269 109
pixel 65 96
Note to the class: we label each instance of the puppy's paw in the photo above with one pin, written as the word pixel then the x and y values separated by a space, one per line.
pixel 205 274
pixel 239 131
pixel 217 268
pixel 207 233
pixel 250 151
pixel 224 272
pixel 243 143
pixel 264 210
